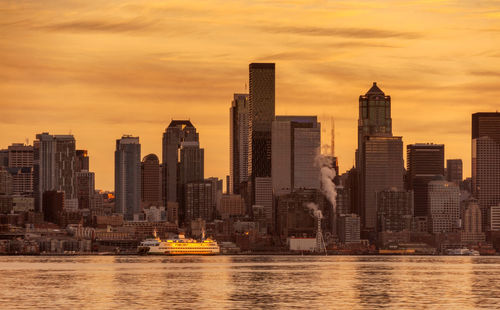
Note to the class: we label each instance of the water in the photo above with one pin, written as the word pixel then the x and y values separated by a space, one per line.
pixel 248 282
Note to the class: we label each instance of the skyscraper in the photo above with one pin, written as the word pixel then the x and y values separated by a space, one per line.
pixel 199 201
pixel 128 176
pixel 183 161
pixel 394 210
pixel 20 155
pixel 151 180
pixel 382 169
pixel 454 171
pixel 486 161
pixel 86 188
pixel 444 206
pixel 261 111
pixel 54 166
pixel 424 161
pixel 296 141
pixel 82 160
pixel 379 157
pixel 238 126
pixel 374 116
pixel 21 168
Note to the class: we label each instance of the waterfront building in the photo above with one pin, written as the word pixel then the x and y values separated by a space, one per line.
pixel 261 106
pixel 151 192
pixel 296 142
pixel 471 223
pixel 349 228
pixel 238 146
pixel 486 161
pixel 128 176
pixel 494 220
pixel 454 171
pixel 444 206
pixel 394 210
pixel 424 161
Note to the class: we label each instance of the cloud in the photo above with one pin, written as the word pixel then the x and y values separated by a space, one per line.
pixel 360 33
pixel 133 25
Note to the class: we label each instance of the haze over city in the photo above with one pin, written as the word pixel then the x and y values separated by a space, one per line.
pixel 99 70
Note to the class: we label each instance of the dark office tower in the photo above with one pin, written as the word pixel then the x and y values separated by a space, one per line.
pixel 4 158
pixel 54 161
pixel 261 109
pixel 151 181
pixel 177 134
pixel 486 161
pixel 128 176
pixel 382 169
pixel 374 117
pixel 262 112
pixel 454 171
pixel 238 149
pixel 86 188
pixel 424 161
pixel 199 201
pixel 82 160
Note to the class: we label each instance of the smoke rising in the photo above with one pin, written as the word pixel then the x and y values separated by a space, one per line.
pixel 315 210
pixel 327 173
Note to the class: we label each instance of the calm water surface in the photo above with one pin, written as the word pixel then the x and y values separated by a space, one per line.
pixel 245 282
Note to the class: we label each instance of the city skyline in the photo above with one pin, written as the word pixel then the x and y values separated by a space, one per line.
pixel 138 66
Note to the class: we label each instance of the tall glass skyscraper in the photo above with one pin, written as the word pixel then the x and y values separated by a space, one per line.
pixel 238 150
pixel 486 162
pixel 128 176
pixel 262 112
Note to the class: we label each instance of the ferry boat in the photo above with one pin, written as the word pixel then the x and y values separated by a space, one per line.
pixel 178 246
pixel 463 251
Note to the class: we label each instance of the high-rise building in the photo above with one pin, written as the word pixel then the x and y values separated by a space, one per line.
pixel 423 161
pixel 151 181
pixel 471 223
pixel 486 161
pixel 5 182
pixel 183 161
pixel 128 176
pixel 494 220
pixel 394 210
pixel 82 160
pixel 261 114
pixel 379 157
pixel 454 171
pixel 349 228
pixel 444 206
pixel 238 146
pixel 20 155
pixel 54 166
pixel 264 198
pixel 374 117
pixel 199 201
pixel 4 158
pixel 86 188
pixel 53 206
pixel 382 169
pixel 231 205
pixel 296 141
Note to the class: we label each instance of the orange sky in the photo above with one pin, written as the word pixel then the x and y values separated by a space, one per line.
pixel 100 69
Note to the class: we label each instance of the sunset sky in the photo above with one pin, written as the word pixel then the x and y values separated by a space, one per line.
pixel 100 69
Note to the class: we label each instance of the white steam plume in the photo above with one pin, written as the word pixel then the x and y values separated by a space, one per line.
pixel 315 210
pixel 327 173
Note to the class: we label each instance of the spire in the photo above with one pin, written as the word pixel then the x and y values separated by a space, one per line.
pixel 375 90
